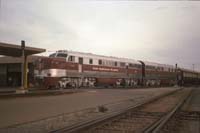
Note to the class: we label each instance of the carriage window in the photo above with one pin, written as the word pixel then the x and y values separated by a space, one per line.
pixel 71 58
pixel 100 62
pixel 80 60
pixel 150 67
pixel 115 63
pixel 109 63
pixel 147 67
pixel 90 61
pixel 122 64
pixel 130 65
pixel 103 62
pixel 138 66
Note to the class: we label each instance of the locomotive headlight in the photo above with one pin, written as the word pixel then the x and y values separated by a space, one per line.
pixel 56 73
pixel 53 72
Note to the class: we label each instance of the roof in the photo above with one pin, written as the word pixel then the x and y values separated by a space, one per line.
pixel 103 57
pixel 15 50
pixel 158 64
pixel 9 59
pixel 188 70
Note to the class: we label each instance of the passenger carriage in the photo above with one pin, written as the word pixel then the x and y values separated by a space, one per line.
pixel 188 77
pixel 158 74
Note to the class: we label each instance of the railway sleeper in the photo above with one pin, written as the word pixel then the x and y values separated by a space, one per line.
pixel 129 122
pixel 189 115
pixel 140 114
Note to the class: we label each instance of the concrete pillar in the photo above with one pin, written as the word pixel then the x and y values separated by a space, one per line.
pixel 22 65
pixel 25 77
pixel 24 68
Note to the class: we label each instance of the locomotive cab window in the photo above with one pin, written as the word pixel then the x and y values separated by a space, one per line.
pixel 61 55
pixel 52 55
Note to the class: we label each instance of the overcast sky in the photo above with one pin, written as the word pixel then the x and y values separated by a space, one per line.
pixel 165 32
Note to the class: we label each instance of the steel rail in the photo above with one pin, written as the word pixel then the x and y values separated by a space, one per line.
pixel 158 125
pixel 92 122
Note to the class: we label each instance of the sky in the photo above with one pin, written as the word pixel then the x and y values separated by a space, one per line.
pixel 160 31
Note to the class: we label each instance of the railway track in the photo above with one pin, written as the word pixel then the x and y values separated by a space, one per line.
pixel 186 119
pixel 69 119
pixel 145 117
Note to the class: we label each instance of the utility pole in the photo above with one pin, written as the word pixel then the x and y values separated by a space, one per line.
pixel 193 67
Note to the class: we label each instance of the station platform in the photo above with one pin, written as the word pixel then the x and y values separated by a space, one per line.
pixel 11 92
pixel 21 110
pixel 7 90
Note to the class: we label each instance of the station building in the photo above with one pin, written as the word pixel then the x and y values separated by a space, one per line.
pixel 17 65
pixel 11 71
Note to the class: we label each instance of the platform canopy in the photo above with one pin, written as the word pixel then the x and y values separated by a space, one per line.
pixel 16 50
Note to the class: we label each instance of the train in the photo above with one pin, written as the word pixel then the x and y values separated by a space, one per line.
pixel 66 69
pixel 186 77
